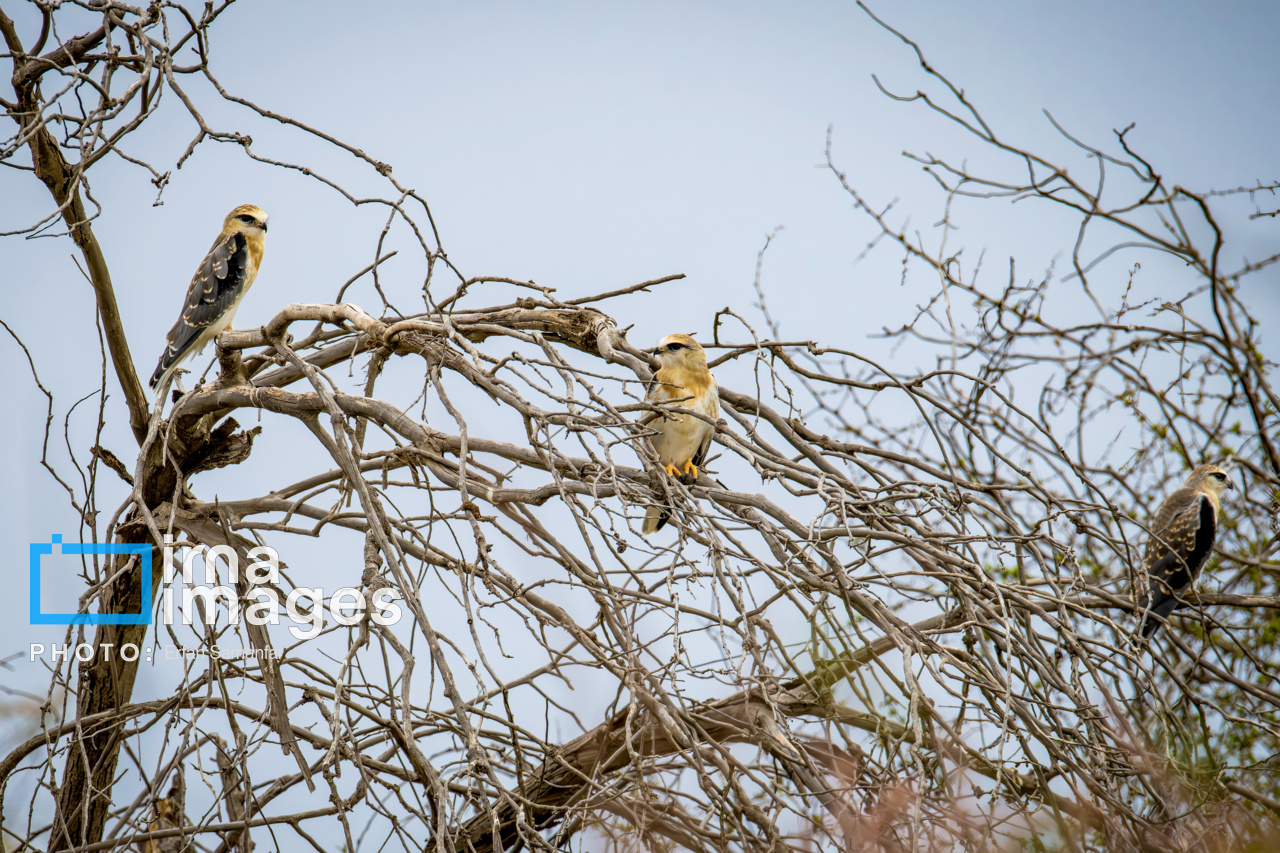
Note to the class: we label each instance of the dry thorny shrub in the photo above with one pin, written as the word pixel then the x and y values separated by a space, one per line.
pixel 895 611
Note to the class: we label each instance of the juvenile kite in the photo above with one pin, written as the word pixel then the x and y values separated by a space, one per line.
pixel 223 278
pixel 682 441
pixel 1181 542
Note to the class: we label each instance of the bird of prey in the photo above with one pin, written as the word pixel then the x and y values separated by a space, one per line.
pixel 220 283
pixel 169 814
pixel 1181 541
pixel 682 441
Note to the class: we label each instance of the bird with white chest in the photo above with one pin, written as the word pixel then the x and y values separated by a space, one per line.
pixel 1181 542
pixel 681 440
pixel 217 289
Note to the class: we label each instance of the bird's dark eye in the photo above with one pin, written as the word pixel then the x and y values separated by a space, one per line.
pixel 1221 478
pixel 676 347
pixel 247 219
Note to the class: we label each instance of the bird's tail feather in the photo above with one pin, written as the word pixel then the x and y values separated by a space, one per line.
pixel 1162 609
pixel 654 519
pixel 163 371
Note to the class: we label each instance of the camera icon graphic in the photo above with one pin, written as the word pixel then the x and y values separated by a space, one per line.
pixel 41 549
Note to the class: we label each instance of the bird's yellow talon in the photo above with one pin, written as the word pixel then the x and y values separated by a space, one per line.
pixel 671 470
pixel 690 468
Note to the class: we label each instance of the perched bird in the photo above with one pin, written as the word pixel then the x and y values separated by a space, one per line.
pixel 223 278
pixel 169 815
pixel 1181 542
pixel 682 441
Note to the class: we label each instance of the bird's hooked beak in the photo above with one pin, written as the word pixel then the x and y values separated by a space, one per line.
pixel 1231 487
pixel 264 228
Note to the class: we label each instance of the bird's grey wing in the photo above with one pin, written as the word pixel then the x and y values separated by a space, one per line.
pixel 700 455
pixel 218 281
pixel 1180 544
pixel 713 412
pixel 1178 549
